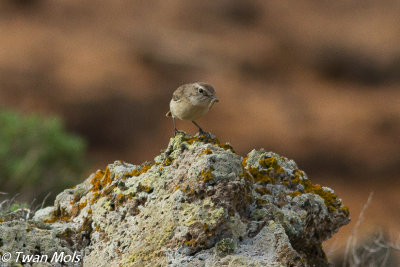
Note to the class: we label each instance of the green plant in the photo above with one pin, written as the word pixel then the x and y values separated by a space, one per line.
pixel 37 155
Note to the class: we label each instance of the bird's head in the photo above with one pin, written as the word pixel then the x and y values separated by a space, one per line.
pixel 203 93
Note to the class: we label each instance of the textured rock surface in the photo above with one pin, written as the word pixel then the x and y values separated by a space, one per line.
pixel 197 204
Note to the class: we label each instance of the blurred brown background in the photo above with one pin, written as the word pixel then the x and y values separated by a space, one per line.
pixel 316 81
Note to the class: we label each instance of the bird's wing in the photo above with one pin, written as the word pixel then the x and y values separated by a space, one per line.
pixel 178 95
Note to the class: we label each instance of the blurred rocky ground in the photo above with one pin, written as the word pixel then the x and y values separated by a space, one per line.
pixel 316 81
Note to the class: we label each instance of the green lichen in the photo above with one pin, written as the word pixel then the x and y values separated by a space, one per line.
pixel 259 214
pixel 204 212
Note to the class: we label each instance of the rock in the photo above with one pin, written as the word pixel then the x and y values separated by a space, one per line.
pixel 30 238
pixel 198 204
pixel 44 214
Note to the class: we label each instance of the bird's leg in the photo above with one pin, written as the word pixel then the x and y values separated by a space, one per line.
pixel 200 130
pixel 175 130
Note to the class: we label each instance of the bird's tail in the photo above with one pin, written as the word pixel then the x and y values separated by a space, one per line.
pixel 168 114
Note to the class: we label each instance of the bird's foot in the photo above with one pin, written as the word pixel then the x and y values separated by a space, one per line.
pixel 205 134
pixel 176 132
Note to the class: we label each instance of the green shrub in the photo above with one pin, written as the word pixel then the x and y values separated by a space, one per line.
pixel 37 155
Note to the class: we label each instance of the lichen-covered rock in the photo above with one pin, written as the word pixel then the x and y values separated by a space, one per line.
pixel 44 214
pixel 198 204
pixel 31 238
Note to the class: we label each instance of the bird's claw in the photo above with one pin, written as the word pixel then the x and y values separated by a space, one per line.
pixel 207 135
pixel 176 132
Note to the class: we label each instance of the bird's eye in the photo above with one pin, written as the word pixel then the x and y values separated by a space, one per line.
pixel 201 90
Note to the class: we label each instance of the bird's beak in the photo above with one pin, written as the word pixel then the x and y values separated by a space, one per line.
pixel 214 99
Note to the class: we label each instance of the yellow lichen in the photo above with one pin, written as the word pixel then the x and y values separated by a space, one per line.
pixel 144 188
pixel 207 151
pixel 60 215
pixel 345 209
pixel 77 197
pixel 167 161
pixel 52 220
pixel 261 176
pixel 207 139
pixel 190 243
pixel 329 198
pixel 271 162
pixel 86 225
pixel 207 175
pixel 82 205
pixel 205 227
pixel 244 162
pixel 226 147
pixel 136 172
pixel 262 190
pixel 225 246
pixel 192 140
pixel 100 180
pixel 186 189
pixel 202 138
pixel 294 194
pixel 261 201
pixel 119 199
pixel 109 190
pixel 253 174
pixel 95 197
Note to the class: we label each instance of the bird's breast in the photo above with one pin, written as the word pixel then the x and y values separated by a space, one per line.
pixel 186 110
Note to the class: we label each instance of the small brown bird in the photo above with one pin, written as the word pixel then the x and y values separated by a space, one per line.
pixel 190 102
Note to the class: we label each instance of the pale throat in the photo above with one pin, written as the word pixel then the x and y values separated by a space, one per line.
pixel 203 101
